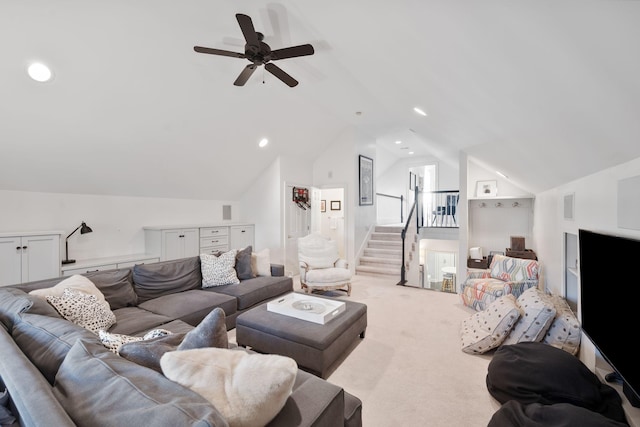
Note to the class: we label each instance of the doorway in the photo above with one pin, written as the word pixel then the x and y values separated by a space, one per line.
pixel 326 215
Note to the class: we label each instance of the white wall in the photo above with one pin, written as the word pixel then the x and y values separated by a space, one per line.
pixel 260 205
pixel 332 221
pixel 338 167
pixel 595 209
pixel 116 221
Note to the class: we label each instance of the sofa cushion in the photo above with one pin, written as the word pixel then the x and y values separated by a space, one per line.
pixel 219 270
pixel 509 269
pixel 259 289
pixel 46 340
pixel 166 277
pixel 486 330
pixel 564 332
pixel 13 302
pixel 261 263
pixel 248 389
pixel 136 321
pixel 243 263
pixel 536 314
pixel 75 282
pixel 116 286
pixel 532 372
pixel 83 309
pixel 190 306
pixel 126 392
pixel 211 332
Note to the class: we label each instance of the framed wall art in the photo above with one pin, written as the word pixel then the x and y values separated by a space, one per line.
pixel 336 205
pixel 486 189
pixel 366 181
pixel 323 205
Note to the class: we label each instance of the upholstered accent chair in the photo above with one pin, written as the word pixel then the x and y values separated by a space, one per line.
pixel 321 267
pixel 506 275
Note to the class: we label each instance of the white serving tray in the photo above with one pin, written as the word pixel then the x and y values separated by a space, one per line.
pixel 306 307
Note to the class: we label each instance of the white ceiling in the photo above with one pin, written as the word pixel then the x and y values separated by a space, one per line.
pixel 545 91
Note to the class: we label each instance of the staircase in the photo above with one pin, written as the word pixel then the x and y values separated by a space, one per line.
pixel 383 254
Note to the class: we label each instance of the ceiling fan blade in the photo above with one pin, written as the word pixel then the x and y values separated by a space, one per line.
pixel 245 74
pixel 292 52
pixel 249 32
pixel 221 52
pixel 279 73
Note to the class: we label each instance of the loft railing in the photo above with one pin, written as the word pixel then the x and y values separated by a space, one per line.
pixel 403 235
pixel 400 197
pixel 433 209
pixel 439 209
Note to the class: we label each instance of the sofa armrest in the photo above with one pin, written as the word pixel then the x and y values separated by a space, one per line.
pixel 478 273
pixel 341 263
pixel 277 270
pixel 26 385
pixel 313 402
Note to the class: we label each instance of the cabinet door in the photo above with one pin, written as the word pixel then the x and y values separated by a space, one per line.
pixel 241 236
pixel 180 244
pixel 10 260
pixel 40 257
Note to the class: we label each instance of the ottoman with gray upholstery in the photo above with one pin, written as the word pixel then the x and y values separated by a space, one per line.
pixel 315 347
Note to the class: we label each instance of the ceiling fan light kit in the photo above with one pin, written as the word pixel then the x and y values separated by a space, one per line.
pixel 259 53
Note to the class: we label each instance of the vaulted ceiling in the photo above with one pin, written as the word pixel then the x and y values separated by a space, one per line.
pixel 544 91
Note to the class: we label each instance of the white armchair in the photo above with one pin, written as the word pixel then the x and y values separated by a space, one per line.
pixel 321 267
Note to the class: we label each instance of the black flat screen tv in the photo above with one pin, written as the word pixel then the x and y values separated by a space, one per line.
pixel 609 299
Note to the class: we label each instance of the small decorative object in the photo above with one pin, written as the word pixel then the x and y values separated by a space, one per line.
pixel 323 205
pixel 84 229
pixel 517 243
pixel 336 205
pixel 366 181
pixel 486 188
pixel 301 197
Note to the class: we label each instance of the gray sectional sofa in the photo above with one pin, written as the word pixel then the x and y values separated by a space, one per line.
pixel 45 357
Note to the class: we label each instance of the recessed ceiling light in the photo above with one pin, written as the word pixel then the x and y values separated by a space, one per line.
pixel 39 72
pixel 398 142
pixel 419 111
pixel 410 153
pixel 263 142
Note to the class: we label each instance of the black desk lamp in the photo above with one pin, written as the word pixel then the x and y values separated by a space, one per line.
pixel 84 228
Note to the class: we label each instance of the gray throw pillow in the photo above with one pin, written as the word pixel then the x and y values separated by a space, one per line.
pixel 211 332
pixel 243 263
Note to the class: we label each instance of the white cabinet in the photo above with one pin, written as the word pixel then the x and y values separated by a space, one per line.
pixel 100 264
pixel 172 243
pixel 241 236
pixel 29 257
pixel 214 239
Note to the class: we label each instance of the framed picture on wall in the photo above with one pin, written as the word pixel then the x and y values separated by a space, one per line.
pixel 366 181
pixel 323 205
pixel 336 205
pixel 486 189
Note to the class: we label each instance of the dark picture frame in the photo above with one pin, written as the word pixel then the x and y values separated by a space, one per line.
pixel 323 205
pixel 336 205
pixel 366 181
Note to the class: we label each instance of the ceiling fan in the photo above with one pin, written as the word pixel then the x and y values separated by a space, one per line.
pixel 259 53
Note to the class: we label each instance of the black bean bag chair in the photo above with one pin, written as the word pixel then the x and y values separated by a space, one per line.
pixel 535 372
pixel 515 414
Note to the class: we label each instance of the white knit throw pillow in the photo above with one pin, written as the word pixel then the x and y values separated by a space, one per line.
pixel 219 270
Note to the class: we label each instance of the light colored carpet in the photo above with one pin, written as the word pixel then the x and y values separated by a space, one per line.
pixel 409 369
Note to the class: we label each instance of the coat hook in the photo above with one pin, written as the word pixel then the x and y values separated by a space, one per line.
pixel 499 204
pixel 515 204
pixel 482 205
